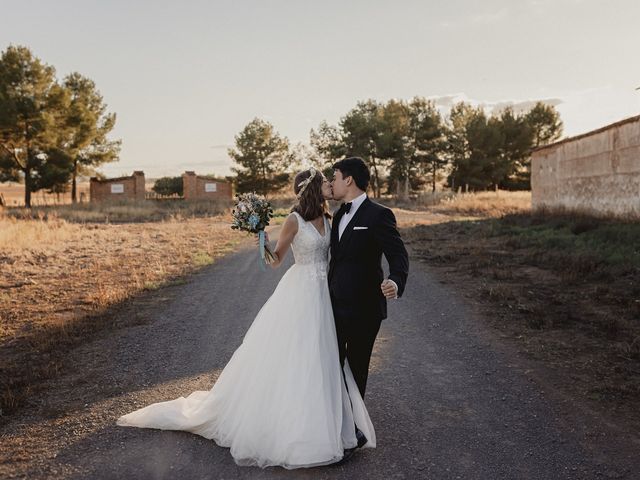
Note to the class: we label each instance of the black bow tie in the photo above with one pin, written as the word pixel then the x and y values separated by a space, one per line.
pixel 345 208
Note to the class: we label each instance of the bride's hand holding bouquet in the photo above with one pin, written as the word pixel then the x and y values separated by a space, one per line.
pixel 252 214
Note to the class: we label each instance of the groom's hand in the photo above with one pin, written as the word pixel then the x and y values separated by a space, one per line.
pixel 389 289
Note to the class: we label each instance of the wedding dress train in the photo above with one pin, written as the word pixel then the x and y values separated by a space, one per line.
pixel 282 399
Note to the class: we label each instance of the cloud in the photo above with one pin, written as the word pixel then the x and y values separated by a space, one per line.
pixel 478 19
pixel 490 17
pixel 445 102
pixel 581 111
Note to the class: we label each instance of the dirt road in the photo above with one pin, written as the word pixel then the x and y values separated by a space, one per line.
pixel 449 398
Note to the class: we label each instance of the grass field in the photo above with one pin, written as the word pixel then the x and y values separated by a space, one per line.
pixel 13 194
pixel 58 277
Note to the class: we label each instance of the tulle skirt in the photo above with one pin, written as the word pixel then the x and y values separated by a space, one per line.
pixel 283 398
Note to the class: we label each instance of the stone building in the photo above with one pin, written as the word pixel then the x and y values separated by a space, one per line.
pixel 129 188
pixel 597 173
pixel 197 187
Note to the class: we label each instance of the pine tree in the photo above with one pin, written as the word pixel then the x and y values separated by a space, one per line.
pixel 263 157
pixel 31 112
pixel 87 124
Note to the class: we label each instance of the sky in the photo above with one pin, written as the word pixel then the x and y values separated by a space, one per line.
pixel 185 77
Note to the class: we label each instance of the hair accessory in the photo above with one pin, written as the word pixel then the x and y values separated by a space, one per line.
pixel 305 183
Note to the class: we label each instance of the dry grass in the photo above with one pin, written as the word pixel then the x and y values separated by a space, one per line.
pixel 440 207
pixel 491 204
pixel 123 211
pixel 57 278
pixel 13 194
pixel 485 204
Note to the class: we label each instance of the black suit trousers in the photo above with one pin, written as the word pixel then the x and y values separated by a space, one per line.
pixel 356 335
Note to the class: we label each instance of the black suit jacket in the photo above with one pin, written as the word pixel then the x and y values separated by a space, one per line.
pixel 355 269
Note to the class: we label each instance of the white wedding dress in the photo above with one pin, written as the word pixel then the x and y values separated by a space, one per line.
pixel 282 399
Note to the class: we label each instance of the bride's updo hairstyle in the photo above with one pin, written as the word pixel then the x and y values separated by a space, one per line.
pixel 308 189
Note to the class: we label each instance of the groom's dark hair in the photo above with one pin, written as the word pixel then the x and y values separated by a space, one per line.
pixel 356 168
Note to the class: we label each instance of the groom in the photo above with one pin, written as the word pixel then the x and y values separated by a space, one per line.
pixel 361 232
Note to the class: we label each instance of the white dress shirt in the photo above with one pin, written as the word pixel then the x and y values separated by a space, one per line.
pixel 346 218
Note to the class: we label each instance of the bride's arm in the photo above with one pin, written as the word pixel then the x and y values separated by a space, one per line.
pixel 289 230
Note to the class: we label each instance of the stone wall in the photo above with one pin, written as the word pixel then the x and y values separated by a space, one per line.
pixel 197 188
pixel 123 188
pixel 597 173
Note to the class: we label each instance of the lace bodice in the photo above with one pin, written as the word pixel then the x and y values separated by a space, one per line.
pixel 309 247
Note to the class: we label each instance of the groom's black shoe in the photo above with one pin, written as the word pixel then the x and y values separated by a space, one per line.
pixel 348 453
pixel 362 440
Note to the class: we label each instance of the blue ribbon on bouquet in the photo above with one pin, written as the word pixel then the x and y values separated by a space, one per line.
pixel 262 243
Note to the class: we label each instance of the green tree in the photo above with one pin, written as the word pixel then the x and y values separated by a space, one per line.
pixel 328 145
pixel 516 149
pixel 475 146
pixel 31 115
pixel 394 145
pixel 87 124
pixel 545 123
pixel 428 141
pixel 305 156
pixel 457 148
pixel 496 151
pixel 357 135
pixel 539 126
pixel 168 186
pixel 263 157
pixel 361 137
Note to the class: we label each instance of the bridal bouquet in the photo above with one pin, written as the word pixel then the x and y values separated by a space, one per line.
pixel 252 214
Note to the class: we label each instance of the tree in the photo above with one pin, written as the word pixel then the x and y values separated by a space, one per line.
pixel 516 149
pixel 496 150
pixel 305 156
pixel 328 146
pixel 168 186
pixel 357 135
pixel 545 123
pixel 31 106
pixel 263 157
pixel 539 126
pixel 394 145
pixel 87 124
pixel 360 135
pixel 428 141
pixel 475 147
pixel 457 148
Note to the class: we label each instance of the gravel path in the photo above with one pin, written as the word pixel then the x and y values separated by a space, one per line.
pixel 448 397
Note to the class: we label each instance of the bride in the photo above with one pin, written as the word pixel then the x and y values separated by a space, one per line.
pixel 283 398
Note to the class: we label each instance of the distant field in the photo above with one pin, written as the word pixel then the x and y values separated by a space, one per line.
pixel 13 194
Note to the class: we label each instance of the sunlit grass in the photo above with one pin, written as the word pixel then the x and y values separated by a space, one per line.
pixel 124 211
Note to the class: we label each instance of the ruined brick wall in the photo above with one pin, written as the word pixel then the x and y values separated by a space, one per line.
pixel 596 173
pixel 197 188
pixel 123 188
